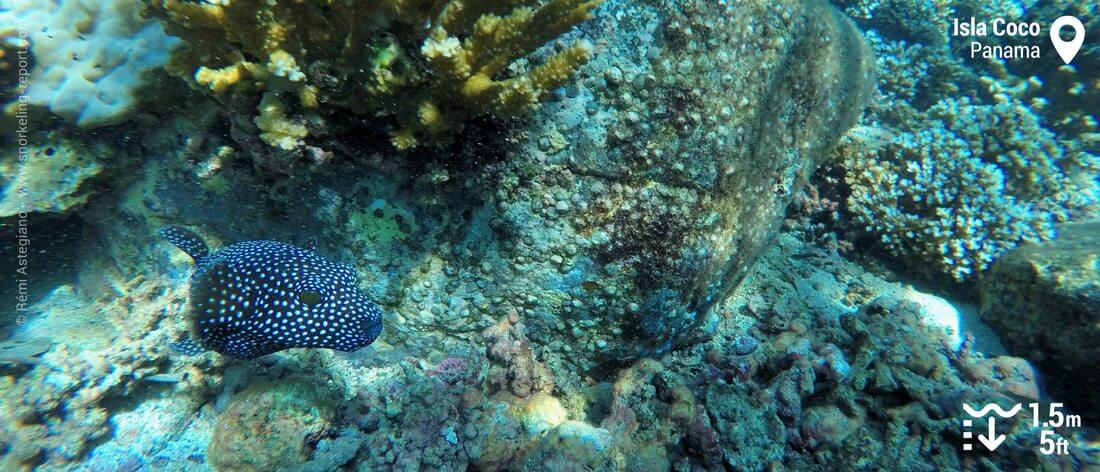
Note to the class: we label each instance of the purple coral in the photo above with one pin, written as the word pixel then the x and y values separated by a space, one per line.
pixel 454 371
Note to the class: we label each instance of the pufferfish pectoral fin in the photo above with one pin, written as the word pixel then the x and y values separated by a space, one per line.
pixel 186 347
pixel 186 240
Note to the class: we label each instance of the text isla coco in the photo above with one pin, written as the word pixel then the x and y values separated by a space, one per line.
pixel 999 27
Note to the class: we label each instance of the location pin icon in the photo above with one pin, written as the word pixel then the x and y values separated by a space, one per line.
pixel 1067 49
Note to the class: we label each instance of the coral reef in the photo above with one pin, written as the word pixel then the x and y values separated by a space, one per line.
pixel 92 58
pixel 968 183
pixel 613 282
pixel 570 233
pixel 376 58
pixel 845 372
pixel 948 184
pixel 1044 299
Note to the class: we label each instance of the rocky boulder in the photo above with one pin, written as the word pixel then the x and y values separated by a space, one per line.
pixel 610 223
pixel 1044 301
pixel 655 188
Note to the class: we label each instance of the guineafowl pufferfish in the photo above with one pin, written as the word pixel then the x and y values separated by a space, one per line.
pixel 254 298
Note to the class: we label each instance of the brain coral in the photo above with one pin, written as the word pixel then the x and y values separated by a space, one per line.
pixel 966 184
pixel 91 57
pixel 431 64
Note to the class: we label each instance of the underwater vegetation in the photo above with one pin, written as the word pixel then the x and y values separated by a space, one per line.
pixel 642 235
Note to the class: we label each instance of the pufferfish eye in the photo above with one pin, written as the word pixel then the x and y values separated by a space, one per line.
pixel 310 297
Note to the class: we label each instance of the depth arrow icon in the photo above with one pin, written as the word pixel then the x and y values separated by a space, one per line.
pixel 993 440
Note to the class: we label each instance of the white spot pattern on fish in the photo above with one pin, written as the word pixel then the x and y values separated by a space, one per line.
pixel 257 297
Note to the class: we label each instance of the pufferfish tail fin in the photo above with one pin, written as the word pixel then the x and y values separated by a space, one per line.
pixel 186 240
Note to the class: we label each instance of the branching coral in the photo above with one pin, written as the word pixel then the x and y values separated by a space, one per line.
pixel 949 184
pixel 431 64
pixel 968 184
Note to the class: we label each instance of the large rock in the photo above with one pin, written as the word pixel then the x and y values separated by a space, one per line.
pixel 679 159
pixel 610 223
pixel 1044 300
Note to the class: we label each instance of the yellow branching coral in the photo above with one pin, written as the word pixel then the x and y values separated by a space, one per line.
pixel 276 128
pixel 431 64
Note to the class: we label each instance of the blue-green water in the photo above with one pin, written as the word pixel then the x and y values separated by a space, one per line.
pixel 683 235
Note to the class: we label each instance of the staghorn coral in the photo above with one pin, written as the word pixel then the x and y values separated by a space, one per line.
pixel 377 58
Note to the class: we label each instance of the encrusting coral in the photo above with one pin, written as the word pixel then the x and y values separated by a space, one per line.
pixel 431 64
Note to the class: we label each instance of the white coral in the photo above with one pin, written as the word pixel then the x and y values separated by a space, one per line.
pixel 91 57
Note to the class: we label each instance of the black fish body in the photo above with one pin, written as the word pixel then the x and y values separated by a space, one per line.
pixel 254 298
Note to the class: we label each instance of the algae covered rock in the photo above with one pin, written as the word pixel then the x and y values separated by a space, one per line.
pixel 270 425
pixel 1044 300
pixel 676 168
pixel 53 176
pixel 572 446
